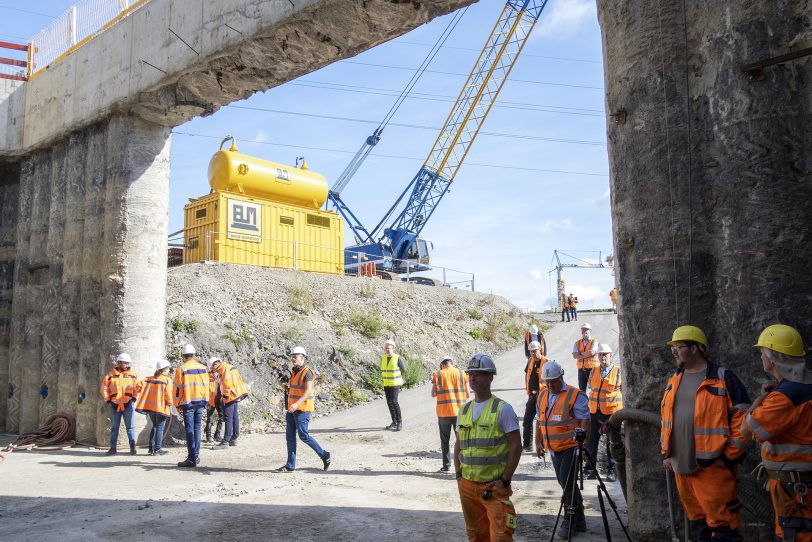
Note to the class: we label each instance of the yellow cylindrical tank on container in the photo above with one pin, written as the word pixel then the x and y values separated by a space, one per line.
pixel 232 171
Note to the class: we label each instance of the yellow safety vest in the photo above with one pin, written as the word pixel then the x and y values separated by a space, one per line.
pixel 483 446
pixel 390 372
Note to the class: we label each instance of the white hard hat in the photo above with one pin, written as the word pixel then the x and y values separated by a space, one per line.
pixel 213 360
pixel 447 358
pixel 389 341
pixel 123 358
pixel 586 325
pixel 188 349
pixel 481 363
pixel 535 345
pixel 534 329
pixel 298 350
pixel 162 364
pixel 551 370
pixel 604 349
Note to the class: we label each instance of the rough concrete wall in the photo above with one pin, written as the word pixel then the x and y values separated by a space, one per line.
pixel 90 274
pixel 710 178
pixel 9 181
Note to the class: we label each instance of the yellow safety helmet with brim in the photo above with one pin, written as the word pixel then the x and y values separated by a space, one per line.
pixel 782 338
pixel 688 333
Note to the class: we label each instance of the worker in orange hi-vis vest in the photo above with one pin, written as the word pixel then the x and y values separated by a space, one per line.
pixel 120 389
pixel 613 297
pixel 534 334
pixel 585 352
pixel 605 398
pixel 191 395
pixel 232 391
pixel 155 400
pixel 781 421
pixel 573 307
pixel 215 405
pixel 449 386
pixel 532 385
pixel 565 307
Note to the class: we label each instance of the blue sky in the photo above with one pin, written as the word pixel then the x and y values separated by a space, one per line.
pixel 518 196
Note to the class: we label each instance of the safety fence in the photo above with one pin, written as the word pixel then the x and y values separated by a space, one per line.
pixel 408 271
pixel 15 69
pixel 74 27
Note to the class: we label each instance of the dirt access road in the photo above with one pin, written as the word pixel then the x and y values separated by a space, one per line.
pixel 382 486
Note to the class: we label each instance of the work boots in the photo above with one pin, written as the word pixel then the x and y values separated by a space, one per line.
pixel 580 520
pixel 207 439
pixel 399 426
pixel 111 451
pixel 564 528
pixel 132 449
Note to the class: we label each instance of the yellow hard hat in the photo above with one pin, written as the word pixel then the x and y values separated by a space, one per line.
pixel 689 333
pixel 781 338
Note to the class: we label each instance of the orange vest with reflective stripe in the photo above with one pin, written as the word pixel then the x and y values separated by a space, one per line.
pixel 613 295
pixel 155 395
pixel 120 387
pixel 212 389
pixel 452 391
pixel 558 427
pixel 717 425
pixel 297 388
pixel 784 428
pixel 191 385
pixel 604 393
pixel 231 384
pixel 529 371
pixel 587 363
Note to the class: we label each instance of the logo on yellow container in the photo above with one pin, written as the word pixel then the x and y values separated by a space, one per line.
pixel 244 221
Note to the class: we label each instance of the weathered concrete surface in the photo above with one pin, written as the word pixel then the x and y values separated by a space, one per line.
pixel 710 179
pixel 173 60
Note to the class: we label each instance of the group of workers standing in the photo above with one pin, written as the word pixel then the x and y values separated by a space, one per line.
pixel 569 307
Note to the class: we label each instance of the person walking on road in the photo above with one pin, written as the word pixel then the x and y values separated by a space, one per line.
pixel 702 410
pixel 300 407
pixel 486 454
pixel 585 353
pixel 573 307
pixel 191 396
pixel 120 388
pixel 534 334
pixel 613 297
pixel 232 391
pixel 392 370
pixel 450 388
pixel 565 307
pixel 605 398
pixel 532 383
pixel 561 410
pixel 155 400
pixel 781 421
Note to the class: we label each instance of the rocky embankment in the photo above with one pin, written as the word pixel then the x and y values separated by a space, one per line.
pixel 252 317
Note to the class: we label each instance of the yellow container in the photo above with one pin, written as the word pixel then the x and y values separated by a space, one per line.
pixel 227 227
pixel 232 171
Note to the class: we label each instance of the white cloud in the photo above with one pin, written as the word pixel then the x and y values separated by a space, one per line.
pixel 562 18
pixel 550 225
pixel 536 275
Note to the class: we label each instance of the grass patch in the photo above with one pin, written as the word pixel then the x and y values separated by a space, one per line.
pixel 292 334
pixel 514 331
pixel 346 393
pixel 415 371
pixel 301 300
pixel 475 333
pixel 372 380
pixel 474 314
pixel 178 324
pixel 237 336
pixel 347 353
pixel 494 325
pixel 369 324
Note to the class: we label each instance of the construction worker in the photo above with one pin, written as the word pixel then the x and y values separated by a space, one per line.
pixel 232 391
pixel 392 370
pixel 449 386
pixel 702 410
pixel 486 454
pixel 191 396
pixel 534 334
pixel 565 307
pixel 573 307
pixel 781 421
pixel 585 352
pixel 532 372
pixel 605 398
pixel 299 410
pixel 155 400
pixel 561 410
pixel 120 388
pixel 613 297
pixel 215 405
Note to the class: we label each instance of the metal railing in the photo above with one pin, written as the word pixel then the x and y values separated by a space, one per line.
pixel 14 68
pixel 415 272
pixel 78 24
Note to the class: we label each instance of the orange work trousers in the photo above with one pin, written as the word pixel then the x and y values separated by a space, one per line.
pixel 793 521
pixel 491 520
pixel 709 494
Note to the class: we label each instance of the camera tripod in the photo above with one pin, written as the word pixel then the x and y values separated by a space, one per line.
pixel 576 474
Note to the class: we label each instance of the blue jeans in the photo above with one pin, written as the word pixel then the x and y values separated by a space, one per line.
pixel 298 422
pixel 231 412
pixel 562 463
pixel 193 422
pixel 156 434
pixel 115 418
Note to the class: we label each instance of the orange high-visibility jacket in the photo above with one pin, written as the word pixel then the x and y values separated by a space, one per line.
pixel 212 389
pixel 564 302
pixel 120 388
pixel 297 388
pixel 782 423
pixel 604 393
pixel 558 429
pixel 574 302
pixel 719 408
pixel 586 363
pixel 452 390
pixel 191 385
pixel 613 294
pixel 155 396
pixel 231 384
pixel 530 369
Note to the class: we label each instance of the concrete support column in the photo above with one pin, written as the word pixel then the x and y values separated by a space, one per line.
pixel 90 273
pixel 9 182
pixel 710 175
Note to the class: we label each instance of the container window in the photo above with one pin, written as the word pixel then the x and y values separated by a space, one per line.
pixel 316 220
pixel 200 213
pixel 286 220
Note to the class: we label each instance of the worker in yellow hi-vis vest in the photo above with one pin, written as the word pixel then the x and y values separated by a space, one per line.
pixel 392 370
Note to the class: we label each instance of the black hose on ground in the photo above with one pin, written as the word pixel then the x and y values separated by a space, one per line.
pixel 616 437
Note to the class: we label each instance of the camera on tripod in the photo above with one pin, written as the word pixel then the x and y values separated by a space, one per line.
pixel 580 436
pixel 282 374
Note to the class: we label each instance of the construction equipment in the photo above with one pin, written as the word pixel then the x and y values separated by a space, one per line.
pixel 394 244
pixel 602 263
